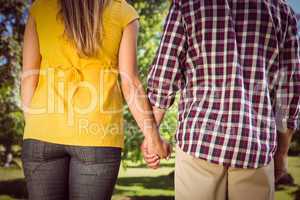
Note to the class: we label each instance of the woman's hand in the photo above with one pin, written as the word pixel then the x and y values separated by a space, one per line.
pixel 155 149
pixel 158 146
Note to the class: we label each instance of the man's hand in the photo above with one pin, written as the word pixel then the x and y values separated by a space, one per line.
pixel 152 159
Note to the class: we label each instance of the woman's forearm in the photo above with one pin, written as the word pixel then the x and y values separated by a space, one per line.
pixel 140 107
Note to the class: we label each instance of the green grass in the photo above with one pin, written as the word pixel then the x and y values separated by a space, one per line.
pixel 138 182
pixel 143 183
pixel 10 174
pixel 288 193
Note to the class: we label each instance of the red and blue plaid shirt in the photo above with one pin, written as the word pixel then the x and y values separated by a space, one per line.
pixel 237 67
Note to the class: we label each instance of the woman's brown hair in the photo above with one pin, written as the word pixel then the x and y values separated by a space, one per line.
pixel 83 23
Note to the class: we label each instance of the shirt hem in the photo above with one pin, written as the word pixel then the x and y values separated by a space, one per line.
pixel 82 144
pixel 224 164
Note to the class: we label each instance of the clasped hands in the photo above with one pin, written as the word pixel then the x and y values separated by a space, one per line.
pixel 154 149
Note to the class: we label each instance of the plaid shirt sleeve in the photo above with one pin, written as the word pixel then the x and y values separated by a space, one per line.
pixel 288 92
pixel 165 76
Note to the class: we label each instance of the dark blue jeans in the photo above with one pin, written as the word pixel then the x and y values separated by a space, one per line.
pixel 62 172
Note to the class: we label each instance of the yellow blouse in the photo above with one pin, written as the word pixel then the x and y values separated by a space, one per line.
pixel 78 100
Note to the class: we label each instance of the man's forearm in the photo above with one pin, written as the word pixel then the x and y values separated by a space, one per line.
pixel 159 115
pixel 284 140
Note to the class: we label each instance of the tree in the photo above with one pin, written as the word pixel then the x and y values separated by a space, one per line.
pixel 12 22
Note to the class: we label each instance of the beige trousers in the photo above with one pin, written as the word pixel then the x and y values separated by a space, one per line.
pixel 197 179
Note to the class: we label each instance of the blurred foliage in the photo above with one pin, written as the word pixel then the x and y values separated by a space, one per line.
pixel 12 22
pixel 295 145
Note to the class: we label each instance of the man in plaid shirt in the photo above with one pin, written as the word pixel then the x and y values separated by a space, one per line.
pixel 237 67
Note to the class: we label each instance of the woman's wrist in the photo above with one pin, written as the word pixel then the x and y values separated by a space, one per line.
pixel 150 129
pixel 153 136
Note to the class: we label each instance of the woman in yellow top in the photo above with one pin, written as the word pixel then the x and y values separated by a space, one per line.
pixel 74 53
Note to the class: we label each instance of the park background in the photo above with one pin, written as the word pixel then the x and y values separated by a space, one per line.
pixel 135 180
